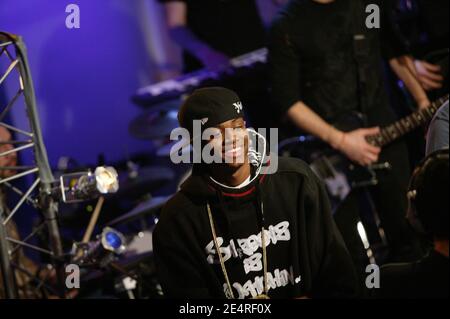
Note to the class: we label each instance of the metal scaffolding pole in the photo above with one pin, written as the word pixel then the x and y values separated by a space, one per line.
pixel 46 203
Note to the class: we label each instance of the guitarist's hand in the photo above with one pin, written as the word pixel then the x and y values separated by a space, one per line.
pixel 429 75
pixel 355 146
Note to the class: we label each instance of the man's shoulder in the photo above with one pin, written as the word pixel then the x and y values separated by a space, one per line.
pixel 293 172
pixel 177 210
pixel 426 278
pixel 288 14
pixel 395 281
pixel 438 132
pixel 442 113
pixel 398 271
pixel 294 166
pixel 177 205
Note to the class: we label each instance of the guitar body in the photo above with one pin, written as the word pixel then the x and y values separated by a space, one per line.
pixel 339 174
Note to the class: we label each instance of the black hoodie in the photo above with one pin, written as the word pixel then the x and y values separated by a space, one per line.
pixel 306 254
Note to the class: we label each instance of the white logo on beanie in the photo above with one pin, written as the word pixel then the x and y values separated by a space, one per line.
pixel 204 120
pixel 238 107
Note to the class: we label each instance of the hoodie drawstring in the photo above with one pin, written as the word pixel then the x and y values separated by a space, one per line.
pixel 260 209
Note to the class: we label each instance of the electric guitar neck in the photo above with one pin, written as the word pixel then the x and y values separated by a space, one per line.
pixel 402 127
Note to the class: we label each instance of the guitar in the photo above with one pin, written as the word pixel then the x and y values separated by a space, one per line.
pixel 339 173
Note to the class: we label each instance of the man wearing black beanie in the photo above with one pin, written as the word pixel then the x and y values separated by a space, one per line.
pixel 274 233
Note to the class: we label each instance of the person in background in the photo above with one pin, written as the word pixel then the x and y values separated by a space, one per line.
pixel 423 27
pixel 210 32
pixel 320 76
pixel 437 137
pixel 429 214
pixel 426 31
pixel 23 281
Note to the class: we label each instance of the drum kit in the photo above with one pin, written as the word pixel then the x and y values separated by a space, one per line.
pixel 146 182
pixel 135 209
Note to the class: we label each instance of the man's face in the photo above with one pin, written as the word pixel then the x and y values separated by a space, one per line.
pixel 232 139
pixel 7 160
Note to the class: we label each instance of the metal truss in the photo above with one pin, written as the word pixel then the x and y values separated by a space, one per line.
pixel 39 194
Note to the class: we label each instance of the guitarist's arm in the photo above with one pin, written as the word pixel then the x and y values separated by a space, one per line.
pixel 353 144
pixel 394 49
pixel 177 22
pixel 429 75
pixel 400 66
pixel 285 77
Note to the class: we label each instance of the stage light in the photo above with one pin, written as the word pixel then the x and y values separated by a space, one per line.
pixel 107 180
pixel 76 187
pixel 101 251
pixel 112 240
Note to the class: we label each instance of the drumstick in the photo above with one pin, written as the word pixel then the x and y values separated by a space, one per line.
pixel 93 221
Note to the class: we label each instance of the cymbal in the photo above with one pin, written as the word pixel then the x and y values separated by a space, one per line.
pixel 150 207
pixel 168 106
pixel 164 151
pixel 157 123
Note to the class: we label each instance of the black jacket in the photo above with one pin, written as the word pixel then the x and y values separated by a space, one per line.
pixel 306 254
pixel 423 279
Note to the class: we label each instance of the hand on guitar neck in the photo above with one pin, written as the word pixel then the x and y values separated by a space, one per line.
pixel 355 145
pixel 363 145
